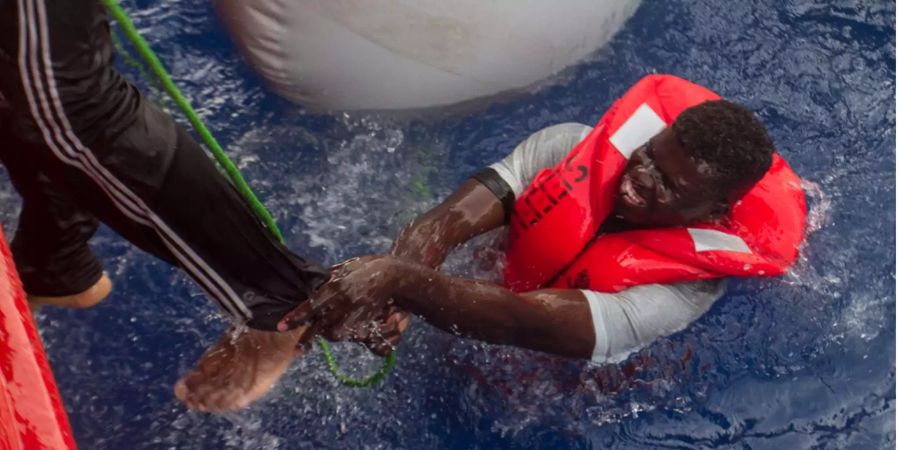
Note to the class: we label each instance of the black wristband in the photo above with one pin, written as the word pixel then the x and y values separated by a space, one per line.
pixel 499 187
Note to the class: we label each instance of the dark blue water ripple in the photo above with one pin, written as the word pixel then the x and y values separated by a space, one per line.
pixel 806 361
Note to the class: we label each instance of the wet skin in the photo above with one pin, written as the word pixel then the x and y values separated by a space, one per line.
pixel 661 186
pixel 239 369
pixel 242 368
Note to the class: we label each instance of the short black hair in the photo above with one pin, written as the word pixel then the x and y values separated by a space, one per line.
pixel 730 138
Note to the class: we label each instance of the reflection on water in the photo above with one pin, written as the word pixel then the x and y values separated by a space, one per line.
pixel 797 362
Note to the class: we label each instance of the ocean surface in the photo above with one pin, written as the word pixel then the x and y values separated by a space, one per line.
pixel 804 361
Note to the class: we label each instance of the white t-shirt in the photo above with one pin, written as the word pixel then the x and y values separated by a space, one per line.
pixel 624 321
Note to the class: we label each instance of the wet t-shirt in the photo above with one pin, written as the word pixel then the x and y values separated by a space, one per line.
pixel 623 321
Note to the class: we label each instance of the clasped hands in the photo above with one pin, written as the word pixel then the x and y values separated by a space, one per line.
pixel 356 304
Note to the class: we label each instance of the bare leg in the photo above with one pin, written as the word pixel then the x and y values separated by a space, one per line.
pixel 90 297
pixel 238 370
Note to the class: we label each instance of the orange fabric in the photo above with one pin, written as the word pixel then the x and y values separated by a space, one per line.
pixel 32 415
pixel 556 219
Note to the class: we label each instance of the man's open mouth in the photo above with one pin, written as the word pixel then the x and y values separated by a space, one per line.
pixel 630 194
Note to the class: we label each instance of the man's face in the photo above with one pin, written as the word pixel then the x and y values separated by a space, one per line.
pixel 663 186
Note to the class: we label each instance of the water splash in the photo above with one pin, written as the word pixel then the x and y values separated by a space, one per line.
pixel 803 362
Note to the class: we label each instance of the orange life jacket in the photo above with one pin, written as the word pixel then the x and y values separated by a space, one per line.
pixel 554 238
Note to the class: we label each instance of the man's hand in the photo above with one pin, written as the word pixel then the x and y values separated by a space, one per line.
pixel 471 210
pixel 380 336
pixel 358 293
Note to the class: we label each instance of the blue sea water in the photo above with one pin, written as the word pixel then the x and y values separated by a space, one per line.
pixel 805 361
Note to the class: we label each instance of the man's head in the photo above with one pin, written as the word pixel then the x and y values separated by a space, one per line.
pixel 695 169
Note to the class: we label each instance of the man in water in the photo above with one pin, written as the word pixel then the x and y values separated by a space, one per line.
pixel 82 145
pixel 690 174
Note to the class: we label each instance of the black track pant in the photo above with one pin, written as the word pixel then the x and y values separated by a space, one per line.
pixel 82 145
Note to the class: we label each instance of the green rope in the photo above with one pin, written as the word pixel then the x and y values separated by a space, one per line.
pixel 231 170
pixel 354 382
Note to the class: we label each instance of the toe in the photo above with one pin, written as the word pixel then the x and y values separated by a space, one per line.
pixel 182 393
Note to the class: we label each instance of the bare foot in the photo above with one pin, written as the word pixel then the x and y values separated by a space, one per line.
pixel 89 297
pixel 238 370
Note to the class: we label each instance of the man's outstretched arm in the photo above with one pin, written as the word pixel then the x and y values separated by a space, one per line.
pixel 481 204
pixel 555 321
pixel 485 201
pixel 567 322
pixel 472 210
